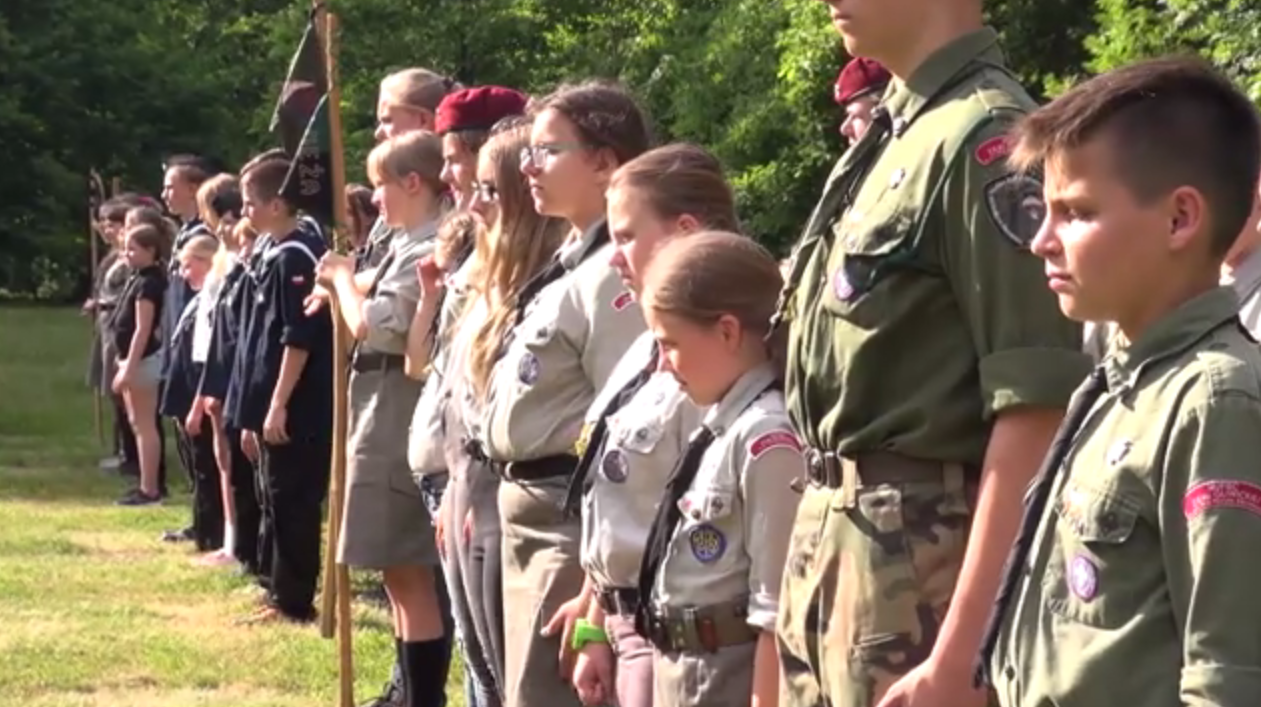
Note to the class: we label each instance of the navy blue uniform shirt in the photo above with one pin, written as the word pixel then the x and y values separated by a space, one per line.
pixel 286 276
pixel 242 358
pixel 177 292
pixel 225 322
pixel 184 374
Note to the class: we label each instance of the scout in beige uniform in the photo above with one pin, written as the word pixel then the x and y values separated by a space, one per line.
pixel 1130 579
pixel 384 523
pixel 574 321
pixel 928 367
pixel 715 553
pixel 639 423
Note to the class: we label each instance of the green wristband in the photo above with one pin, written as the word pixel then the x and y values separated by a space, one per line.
pixel 586 632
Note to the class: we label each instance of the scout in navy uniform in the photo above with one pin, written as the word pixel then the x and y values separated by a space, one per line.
pixel 1132 579
pixel 286 407
pixel 180 396
pixel 134 329
pixel 385 525
pixel 639 423
pixel 858 90
pixel 928 367
pixel 711 569
pixel 574 321
pixel 227 321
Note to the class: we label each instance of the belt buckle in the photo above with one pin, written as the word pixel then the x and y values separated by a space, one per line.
pixel 815 471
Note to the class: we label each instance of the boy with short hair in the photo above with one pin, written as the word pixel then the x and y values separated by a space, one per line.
pixel 1128 583
pixel 285 402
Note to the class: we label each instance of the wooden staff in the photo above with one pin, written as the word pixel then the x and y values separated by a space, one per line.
pixel 96 197
pixel 337 591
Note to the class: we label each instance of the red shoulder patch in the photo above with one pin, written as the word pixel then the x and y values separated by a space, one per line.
pixel 1203 497
pixel 623 301
pixel 992 150
pixel 779 439
pixel 298 279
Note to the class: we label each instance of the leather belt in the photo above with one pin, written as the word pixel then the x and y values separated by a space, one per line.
pixel 848 473
pixel 702 629
pixel 620 601
pixel 538 469
pixel 369 361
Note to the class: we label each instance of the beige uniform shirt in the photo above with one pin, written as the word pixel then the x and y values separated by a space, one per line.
pixel 573 334
pixel 1246 279
pixel 644 440
pixel 425 441
pixel 389 311
pixel 1141 586
pixel 738 513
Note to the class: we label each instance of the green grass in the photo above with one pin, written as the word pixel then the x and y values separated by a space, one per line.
pixel 94 611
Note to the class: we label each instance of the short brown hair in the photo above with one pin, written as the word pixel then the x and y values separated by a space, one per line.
pixel 416 152
pixel 215 194
pixel 1169 122
pixel 681 179
pixel 264 176
pixel 418 88
pixel 150 238
pixel 605 115
pixel 702 277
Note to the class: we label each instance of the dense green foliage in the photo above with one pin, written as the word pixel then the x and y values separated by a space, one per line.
pixel 117 85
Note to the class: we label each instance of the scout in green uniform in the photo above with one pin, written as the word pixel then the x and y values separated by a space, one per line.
pixel 1131 580
pixel 928 367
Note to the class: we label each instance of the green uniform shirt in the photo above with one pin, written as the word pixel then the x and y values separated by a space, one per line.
pixel 1142 584
pixel 920 312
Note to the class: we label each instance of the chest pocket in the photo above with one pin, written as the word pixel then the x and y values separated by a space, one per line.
pixel 1099 563
pixel 867 255
pixel 708 527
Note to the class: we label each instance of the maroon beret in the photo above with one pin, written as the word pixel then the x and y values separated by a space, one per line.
pixel 860 77
pixel 478 108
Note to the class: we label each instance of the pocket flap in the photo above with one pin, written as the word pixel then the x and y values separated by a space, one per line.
pixel 1096 516
pixel 706 505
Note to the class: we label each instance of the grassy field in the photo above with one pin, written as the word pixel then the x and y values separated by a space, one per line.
pixel 94 611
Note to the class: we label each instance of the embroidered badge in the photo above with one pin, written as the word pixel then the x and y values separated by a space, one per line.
pixel 1119 451
pixel 623 301
pixel 841 285
pixel 778 439
pixel 992 150
pixel 1223 493
pixel 1015 204
pixel 298 279
pixel 708 543
pixel 528 369
pixel 615 466
pixel 1083 578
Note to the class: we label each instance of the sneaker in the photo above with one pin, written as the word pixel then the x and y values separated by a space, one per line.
pixel 109 464
pixel 136 497
pixel 218 558
pixel 178 536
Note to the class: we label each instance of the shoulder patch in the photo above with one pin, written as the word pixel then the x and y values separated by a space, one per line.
pixel 623 301
pixel 778 439
pixel 992 150
pixel 1225 493
pixel 1014 202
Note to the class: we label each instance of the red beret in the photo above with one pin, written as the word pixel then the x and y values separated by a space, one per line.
pixel 478 108
pixel 860 77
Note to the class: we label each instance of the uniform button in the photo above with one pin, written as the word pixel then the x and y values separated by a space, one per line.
pixel 1010 673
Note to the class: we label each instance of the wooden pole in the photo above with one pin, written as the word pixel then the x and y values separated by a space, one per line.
pixel 97 189
pixel 337 480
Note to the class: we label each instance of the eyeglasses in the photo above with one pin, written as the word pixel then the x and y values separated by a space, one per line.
pixel 541 154
pixel 485 192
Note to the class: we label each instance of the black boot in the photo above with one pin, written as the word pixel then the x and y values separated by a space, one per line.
pixel 392 694
pixel 425 667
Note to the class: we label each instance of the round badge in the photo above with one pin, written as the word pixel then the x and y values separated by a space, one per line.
pixel 708 543
pixel 528 369
pixel 1083 578
pixel 841 286
pixel 614 466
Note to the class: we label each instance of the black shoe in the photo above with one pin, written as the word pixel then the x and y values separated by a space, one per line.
pixel 136 497
pixel 178 536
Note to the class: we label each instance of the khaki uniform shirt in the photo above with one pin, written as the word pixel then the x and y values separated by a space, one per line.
pixel 732 540
pixel 573 334
pixel 1139 589
pixel 1246 279
pixel 920 312
pixel 388 313
pixel 644 440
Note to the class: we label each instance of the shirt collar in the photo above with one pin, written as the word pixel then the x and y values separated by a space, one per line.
pixel 906 99
pixel 747 388
pixel 1174 333
pixel 1247 276
pixel 571 254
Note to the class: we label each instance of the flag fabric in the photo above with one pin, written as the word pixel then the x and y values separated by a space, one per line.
pixel 301 122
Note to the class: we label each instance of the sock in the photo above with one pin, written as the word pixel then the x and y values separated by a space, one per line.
pixel 229 538
pixel 398 680
pixel 425 665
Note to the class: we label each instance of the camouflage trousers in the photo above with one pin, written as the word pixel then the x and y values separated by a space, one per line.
pixel 870 571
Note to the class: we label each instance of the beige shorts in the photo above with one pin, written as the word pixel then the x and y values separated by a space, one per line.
pixel 148 372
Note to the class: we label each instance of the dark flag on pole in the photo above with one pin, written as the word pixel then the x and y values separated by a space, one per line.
pixel 301 121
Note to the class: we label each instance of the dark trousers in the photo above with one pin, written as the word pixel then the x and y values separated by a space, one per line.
pixel 249 516
pixel 197 453
pixel 295 478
